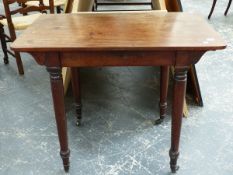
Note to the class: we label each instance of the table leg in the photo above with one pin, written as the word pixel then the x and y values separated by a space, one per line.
pixel 77 94
pixel 59 108
pixel 164 78
pixel 180 79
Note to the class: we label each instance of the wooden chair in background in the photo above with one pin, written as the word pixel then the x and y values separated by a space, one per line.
pixel 58 4
pixel 213 6
pixel 4 39
pixel 17 18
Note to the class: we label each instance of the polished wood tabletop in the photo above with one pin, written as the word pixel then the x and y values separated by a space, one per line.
pixel 119 31
pixel 119 39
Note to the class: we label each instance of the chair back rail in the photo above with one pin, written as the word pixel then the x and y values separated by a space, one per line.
pixel 12 8
pixel 2 17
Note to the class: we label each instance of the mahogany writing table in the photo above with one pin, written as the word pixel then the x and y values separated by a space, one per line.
pixel 118 39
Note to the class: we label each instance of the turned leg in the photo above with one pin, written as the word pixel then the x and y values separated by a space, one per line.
pixel 164 78
pixel 228 6
pixel 75 78
pixel 3 43
pixel 59 109
pixel 212 8
pixel 180 79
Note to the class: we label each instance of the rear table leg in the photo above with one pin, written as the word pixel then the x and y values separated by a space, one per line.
pixel 77 94
pixel 164 78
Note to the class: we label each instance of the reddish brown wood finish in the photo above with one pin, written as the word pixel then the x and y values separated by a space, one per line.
pixel 75 78
pixel 58 100
pixel 144 39
pixel 140 32
pixel 164 78
pixel 179 90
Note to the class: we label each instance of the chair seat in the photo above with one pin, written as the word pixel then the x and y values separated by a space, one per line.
pixel 46 2
pixel 22 22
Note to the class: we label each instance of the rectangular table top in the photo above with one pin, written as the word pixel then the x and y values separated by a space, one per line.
pixel 119 31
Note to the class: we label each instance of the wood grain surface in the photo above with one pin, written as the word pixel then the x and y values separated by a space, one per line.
pixel 119 31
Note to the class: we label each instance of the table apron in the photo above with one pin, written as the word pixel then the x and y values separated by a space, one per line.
pixel 117 58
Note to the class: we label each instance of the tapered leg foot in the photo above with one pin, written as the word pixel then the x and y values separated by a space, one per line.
pixel 66 168
pixel 173 161
pixel 65 158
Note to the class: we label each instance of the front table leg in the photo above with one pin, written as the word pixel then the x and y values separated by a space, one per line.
pixel 59 108
pixel 180 79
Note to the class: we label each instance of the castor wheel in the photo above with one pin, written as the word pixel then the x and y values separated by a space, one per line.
pixel 158 121
pixel 78 122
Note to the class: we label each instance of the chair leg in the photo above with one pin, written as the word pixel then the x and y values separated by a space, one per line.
pixel 212 8
pixel 4 45
pixel 228 6
pixel 19 63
